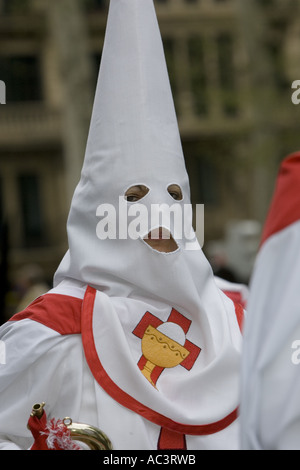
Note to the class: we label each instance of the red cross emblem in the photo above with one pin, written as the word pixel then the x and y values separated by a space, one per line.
pixel 160 349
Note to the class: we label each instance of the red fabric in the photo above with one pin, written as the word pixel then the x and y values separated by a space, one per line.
pixel 239 311
pixel 285 206
pixel 127 400
pixel 37 427
pixel 171 440
pixel 236 297
pixel 61 313
pixel 50 435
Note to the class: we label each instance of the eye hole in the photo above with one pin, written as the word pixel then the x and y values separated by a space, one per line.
pixel 175 191
pixel 135 193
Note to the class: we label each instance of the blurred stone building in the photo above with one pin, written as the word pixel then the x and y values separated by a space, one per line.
pixel 231 68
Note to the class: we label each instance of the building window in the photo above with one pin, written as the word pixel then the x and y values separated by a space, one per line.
pixel 1 202
pixel 94 5
pixel 22 77
pixel 169 49
pixel 207 190
pixel 203 175
pixel 198 75
pixel 14 6
pixel 226 74
pixel 277 60
pixel 3 258
pixel 33 233
pixel 265 2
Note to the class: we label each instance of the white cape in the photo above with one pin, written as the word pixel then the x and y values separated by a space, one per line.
pixel 53 367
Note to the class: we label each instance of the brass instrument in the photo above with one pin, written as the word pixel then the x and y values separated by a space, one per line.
pixel 89 435
pixel 38 410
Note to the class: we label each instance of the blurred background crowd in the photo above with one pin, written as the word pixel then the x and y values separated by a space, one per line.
pixel 231 64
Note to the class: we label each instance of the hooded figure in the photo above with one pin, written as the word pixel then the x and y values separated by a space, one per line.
pixel 270 409
pixel 135 337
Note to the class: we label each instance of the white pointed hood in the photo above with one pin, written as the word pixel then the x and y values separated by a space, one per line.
pixel 134 140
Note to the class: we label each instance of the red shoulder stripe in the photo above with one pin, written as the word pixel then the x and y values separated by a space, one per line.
pixel 61 313
pixel 239 311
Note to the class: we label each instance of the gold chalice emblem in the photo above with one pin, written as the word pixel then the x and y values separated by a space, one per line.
pixel 160 350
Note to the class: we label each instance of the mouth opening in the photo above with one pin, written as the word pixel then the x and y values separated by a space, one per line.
pixel 161 239
pixel 159 233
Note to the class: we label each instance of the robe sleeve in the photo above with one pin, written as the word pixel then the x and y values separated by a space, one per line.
pixel 39 366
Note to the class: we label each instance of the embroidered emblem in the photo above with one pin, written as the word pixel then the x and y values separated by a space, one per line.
pixel 164 344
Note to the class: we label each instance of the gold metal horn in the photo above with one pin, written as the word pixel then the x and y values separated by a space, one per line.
pixel 89 435
pixel 38 409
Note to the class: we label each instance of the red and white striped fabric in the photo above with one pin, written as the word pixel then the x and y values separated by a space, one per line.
pixel 270 405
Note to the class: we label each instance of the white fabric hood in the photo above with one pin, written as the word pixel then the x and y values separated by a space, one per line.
pixel 134 139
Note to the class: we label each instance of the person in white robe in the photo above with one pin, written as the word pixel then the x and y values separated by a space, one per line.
pixel 135 337
pixel 270 406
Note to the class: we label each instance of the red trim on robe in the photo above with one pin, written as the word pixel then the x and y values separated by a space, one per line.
pixel 285 206
pixel 171 440
pixel 127 400
pixel 236 297
pixel 239 311
pixel 66 314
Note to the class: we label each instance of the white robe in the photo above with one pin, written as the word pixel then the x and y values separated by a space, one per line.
pixel 43 363
pixel 270 405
